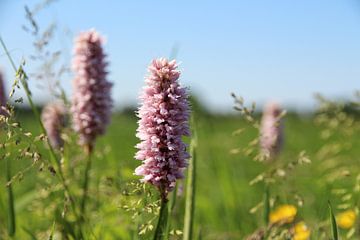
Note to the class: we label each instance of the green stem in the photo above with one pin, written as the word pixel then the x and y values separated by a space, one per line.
pixel 334 227
pixel 173 199
pixel 88 150
pixel 266 212
pixel 11 211
pixel 190 192
pixel 266 205
pixel 160 232
pixel 171 208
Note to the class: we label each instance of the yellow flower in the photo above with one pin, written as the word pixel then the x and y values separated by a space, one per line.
pixel 346 219
pixel 283 214
pixel 301 231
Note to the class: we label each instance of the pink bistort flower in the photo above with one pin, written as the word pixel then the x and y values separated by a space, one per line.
pixel 271 131
pixel 53 117
pixel 3 95
pixel 164 119
pixel 91 101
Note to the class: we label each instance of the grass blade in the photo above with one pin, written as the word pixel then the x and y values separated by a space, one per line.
pixel 334 228
pixel 171 207
pixel 88 150
pixel 190 191
pixel 266 205
pixel 51 237
pixel 11 208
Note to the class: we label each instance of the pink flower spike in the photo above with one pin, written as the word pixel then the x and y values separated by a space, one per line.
pixel 3 95
pixel 53 117
pixel 164 119
pixel 271 131
pixel 91 101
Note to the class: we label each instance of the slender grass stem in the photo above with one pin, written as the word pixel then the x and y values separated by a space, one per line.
pixel 88 150
pixel 11 210
pixel 173 199
pixel 266 212
pixel 160 232
pixel 190 191
pixel 334 227
pixel 53 156
pixel 171 208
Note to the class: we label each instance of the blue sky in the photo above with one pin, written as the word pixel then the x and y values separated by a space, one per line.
pixel 262 50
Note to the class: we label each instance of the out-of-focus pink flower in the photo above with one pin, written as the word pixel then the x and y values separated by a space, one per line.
pixel 53 117
pixel 3 95
pixel 91 101
pixel 271 131
pixel 164 119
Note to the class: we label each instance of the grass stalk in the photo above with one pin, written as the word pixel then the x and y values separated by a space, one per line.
pixel 266 212
pixel 190 191
pixel 334 227
pixel 171 208
pixel 85 187
pixel 11 208
pixel 22 77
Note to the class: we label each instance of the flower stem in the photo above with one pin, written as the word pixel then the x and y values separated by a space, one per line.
pixel 171 208
pixel 88 151
pixel 11 211
pixel 160 232
pixel 190 191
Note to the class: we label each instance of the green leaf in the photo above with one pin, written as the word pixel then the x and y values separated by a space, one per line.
pixel 51 237
pixel 334 228
pixel 190 189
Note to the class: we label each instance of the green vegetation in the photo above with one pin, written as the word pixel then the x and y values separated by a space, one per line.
pixel 223 194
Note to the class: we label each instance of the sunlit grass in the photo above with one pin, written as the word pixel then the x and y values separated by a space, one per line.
pixel 224 196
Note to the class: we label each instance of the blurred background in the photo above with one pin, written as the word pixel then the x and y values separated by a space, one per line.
pixel 261 50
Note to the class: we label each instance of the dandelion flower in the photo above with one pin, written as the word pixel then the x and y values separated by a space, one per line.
pixel 164 116
pixel 301 231
pixel 346 220
pixel 271 131
pixel 53 118
pixel 283 214
pixel 91 101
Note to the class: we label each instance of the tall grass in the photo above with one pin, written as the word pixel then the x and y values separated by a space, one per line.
pixel 190 188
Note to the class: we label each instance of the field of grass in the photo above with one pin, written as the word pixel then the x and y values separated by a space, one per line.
pixel 223 194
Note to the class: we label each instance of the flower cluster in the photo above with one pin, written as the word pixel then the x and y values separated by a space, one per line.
pixel 91 102
pixel 271 132
pixel 53 117
pixel 164 116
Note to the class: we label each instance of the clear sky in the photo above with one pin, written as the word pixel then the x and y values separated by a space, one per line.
pixel 280 49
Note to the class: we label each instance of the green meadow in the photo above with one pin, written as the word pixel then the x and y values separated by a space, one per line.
pixel 224 196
